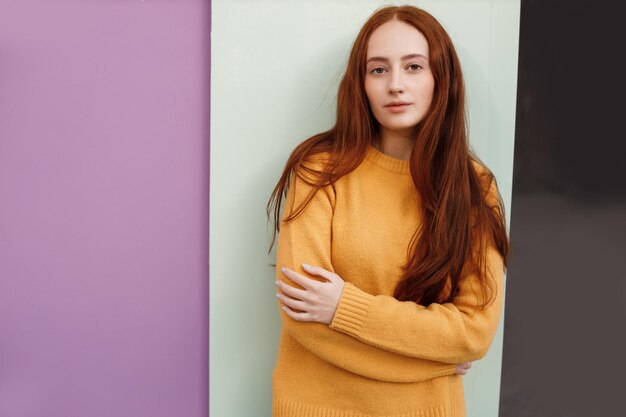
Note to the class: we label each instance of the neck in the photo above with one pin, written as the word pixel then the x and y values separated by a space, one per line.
pixel 397 144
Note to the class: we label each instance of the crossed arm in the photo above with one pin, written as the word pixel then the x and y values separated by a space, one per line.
pixel 375 336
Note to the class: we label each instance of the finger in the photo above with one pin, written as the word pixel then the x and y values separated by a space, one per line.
pixel 292 303
pixel 304 282
pixel 291 291
pixel 319 271
pixel 296 316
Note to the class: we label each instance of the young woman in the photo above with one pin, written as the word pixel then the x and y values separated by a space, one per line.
pixel 392 241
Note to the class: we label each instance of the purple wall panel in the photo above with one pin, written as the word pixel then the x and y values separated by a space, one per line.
pixel 104 208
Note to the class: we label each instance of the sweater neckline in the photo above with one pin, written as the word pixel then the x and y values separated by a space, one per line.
pixel 387 162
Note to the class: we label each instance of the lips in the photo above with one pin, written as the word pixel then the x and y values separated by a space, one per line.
pixel 397 104
pixel 398 107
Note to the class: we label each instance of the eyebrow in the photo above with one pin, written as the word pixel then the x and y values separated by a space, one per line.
pixel 380 58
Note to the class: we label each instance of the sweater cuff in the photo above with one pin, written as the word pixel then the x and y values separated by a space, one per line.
pixel 352 310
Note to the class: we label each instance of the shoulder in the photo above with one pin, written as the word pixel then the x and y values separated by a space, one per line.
pixel 312 168
pixel 309 178
pixel 317 160
pixel 481 169
pixel 488 182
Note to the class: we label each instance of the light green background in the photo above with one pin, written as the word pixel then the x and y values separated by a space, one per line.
pixel 276 66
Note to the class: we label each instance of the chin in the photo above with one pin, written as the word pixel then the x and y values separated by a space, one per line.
pixel 399 127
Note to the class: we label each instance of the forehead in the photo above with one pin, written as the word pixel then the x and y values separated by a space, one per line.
pixel 394 39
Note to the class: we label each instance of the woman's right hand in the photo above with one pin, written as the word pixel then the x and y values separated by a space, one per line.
pixel 462 368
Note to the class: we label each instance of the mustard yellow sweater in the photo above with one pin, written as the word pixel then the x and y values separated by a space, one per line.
pixel 379 356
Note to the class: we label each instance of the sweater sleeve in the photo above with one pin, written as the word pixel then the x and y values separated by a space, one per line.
pixel 307 239
pixel 455 332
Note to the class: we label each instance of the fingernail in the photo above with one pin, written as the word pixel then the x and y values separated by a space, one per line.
pixel 276 282
pixel 306 266
pixel 283 269
pixel 277 295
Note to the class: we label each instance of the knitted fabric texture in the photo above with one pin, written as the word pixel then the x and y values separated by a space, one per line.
pixel 379 357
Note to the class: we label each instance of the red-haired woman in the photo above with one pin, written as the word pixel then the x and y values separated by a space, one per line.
pixel 392 243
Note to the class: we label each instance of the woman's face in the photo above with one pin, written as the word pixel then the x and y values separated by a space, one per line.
pixel 398 81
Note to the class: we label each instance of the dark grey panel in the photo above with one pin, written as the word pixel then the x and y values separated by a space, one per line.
pixel 565 314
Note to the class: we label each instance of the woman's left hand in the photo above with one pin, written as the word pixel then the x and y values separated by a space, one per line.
pixel 317 301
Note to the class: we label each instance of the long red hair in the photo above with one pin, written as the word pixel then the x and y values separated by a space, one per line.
pixel 457 214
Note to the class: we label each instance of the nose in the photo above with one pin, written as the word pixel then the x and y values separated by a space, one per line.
pixel 395 85
pixel 395 82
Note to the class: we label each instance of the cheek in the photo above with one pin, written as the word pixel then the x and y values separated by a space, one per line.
pixel 371 92
pixel 431 87
pixel 368 91
pixel 427 90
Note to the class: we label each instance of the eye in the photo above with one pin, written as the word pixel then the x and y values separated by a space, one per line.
pixel 377 70
pixel 414 67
